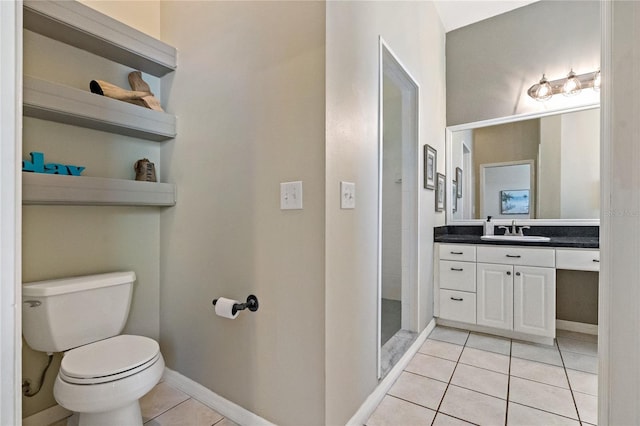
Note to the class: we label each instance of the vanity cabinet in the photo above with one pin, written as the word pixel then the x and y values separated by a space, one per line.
pixel 457 295
pixel 516 289
pixel 495 296
pixel 578 259
pixel 498 288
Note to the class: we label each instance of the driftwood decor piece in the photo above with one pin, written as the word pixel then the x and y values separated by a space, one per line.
pixel 142 97
pixel 138 84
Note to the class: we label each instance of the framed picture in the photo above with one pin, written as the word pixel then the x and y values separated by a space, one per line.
pixel 440 192
pixel 430 165
pixel 514 201
pixel 454 196
pixel 459 182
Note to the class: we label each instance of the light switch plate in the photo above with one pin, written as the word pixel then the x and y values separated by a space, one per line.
pixel 347 195
pixel 291 195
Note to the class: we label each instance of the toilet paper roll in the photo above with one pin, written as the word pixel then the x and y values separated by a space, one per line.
pixel 224 308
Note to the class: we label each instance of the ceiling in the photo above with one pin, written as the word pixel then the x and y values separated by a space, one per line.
pixel 459 13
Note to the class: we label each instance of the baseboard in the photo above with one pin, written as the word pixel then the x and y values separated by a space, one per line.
pixel 509 334
pixel 47 416
pixel 373 400
pixel 214 401
pixel 579 327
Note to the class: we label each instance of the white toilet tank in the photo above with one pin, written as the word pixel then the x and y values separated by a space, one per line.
pixel 58 315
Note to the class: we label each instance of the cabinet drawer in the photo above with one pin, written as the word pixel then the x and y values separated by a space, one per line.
pixel 458 306
pixel 544 257
pixel 460 252
pixel 578 260
pixel 458 275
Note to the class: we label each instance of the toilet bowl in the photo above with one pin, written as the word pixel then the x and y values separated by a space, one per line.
pixel 103 381
pixel 102 374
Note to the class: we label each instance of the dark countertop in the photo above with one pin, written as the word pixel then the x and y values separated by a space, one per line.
pixel 561 236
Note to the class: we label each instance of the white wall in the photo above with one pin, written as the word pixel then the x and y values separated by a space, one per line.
pixel 10 210
pixel 619 341
pixel 415 35
pixel 249 92
pixel 460 140
pixel 580 165
pixel 549 204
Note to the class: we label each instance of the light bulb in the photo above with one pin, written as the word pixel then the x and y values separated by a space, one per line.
pixel 596 81
pixel 572 86
pixel 541 91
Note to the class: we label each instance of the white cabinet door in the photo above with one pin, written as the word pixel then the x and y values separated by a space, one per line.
pixel 494 295
pixel 534 300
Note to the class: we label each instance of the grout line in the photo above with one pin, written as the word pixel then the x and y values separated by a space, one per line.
pixel 506 413
pixel 545 411
pixel 451 377
pixel 168 409
pixel 573 398
pixel 538 381
pixel 411 402
pixel 422 375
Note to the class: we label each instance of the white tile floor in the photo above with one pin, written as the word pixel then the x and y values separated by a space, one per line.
pixel 165 405
pixel 458 378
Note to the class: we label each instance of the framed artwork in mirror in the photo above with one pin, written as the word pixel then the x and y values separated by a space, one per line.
pixel 514 201
pixel 430 164
pixel 459 182
pixel 454 196
pixel 440 191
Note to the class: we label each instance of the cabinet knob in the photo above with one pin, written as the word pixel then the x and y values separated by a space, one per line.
pixel 518 274
pixel 508 273
pixel 457 269
pixel 515 256
pixel 596 260
pixel 456 252
pixel 457 299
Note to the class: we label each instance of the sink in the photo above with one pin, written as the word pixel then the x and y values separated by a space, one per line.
pixel 521 238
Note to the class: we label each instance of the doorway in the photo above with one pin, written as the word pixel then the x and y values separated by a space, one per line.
pixel 398 210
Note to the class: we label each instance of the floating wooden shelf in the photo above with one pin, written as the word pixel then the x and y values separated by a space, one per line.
pixel 78 25
pixel 55 102
pixel 39 188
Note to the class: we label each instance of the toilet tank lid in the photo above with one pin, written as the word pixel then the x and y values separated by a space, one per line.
pixel 74 284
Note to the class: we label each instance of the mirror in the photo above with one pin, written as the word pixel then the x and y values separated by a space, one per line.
pixel 544 167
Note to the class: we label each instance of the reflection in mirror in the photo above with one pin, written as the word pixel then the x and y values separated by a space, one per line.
pixel 541 168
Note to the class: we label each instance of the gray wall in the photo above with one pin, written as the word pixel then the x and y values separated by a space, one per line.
pixel 249 93
pixel 577 296
pixel 491 64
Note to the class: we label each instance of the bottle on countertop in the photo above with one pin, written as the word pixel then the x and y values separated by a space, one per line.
pixel 488 226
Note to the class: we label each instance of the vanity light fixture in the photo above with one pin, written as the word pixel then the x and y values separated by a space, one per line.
pixel 541 91
pixel 596 81
pixel 571 85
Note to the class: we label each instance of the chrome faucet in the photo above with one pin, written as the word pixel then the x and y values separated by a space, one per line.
pixel 514 231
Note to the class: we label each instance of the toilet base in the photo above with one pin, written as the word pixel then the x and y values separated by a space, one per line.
pixel 129 415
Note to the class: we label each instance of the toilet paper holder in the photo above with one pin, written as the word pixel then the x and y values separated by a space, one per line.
pixel 251 304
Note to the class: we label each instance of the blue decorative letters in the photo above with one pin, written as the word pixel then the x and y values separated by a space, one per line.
pixel 37 165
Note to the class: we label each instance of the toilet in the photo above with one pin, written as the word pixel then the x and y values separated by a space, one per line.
pixel 102 374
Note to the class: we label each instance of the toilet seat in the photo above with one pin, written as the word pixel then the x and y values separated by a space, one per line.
pixel 108 360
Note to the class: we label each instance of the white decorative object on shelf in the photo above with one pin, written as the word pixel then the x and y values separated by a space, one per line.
pixel 55 102
pixel 78 25
pixel 40 188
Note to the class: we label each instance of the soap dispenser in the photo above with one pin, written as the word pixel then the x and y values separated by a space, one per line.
pixel 488 226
